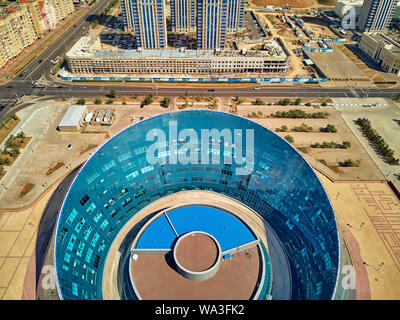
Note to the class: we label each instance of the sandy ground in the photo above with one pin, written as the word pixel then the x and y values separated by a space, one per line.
pixel 367 169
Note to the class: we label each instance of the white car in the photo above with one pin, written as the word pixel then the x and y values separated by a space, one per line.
pixel 257 88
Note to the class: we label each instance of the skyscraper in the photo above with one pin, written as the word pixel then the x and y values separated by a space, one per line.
pixel 147 19
pixel 183 15
pixel 235 15
pixel 211 23
pixel 376 15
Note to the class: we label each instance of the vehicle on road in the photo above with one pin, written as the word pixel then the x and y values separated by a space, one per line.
pixel 211 90
pixel 69 147
pixel 257 88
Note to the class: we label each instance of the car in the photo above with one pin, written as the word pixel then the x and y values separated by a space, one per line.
pixel 69 147
pixel 211 90
pixel 257 88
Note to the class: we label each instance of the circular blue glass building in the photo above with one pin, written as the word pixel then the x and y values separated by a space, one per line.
pixel 198 151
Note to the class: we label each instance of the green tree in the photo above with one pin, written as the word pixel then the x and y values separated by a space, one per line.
pixel 98 101
pixel 285 102
pixel 166 102
pixel 297 102
pixel 81 101
pixel 148 100
pixel 113 93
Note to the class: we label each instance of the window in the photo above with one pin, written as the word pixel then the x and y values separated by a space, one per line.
pixel 74 289
pixel 98 216
pixel 84 200
pixel 71 217
pixel 90 209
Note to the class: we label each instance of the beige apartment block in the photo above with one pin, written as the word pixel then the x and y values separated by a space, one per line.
pixel 37 15
pixel 383 49
pixel 87 57
pixel 16 32
pixel 57 10
pixel 23 22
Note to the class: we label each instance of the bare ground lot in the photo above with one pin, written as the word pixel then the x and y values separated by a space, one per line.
pixel 367 169
pixel 336 65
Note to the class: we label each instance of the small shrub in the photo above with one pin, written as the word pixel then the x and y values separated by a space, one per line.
pixel 289 139
pixel 259 102
pixel 297 102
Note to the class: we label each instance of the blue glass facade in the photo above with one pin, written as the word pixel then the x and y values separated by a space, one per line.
pixel 118 181
pixel 183 15
pixel 147 19
pixel 235 15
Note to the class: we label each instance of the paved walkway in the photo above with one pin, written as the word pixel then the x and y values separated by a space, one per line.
pixel 18 233
pixel 371 212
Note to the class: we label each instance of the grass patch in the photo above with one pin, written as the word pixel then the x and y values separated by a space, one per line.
pixel 7 126
pixel 53 169
pixel 28 187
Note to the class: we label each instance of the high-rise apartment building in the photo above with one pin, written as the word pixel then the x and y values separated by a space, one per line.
pixel 235 15
pixel 147 19
pixel 211 23
pixel 183 15
pixel 376 15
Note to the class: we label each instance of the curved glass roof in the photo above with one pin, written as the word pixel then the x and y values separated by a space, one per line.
pixel 118 181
